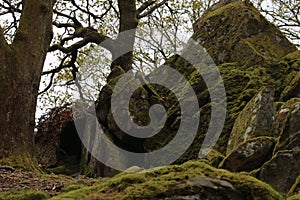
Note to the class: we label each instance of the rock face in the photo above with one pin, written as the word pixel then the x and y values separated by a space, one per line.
pixel 293 87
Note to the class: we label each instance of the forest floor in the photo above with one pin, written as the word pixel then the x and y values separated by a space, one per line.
pixel 52 184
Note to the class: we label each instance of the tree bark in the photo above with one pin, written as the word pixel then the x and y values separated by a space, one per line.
pixel 21 65
pixel 128 21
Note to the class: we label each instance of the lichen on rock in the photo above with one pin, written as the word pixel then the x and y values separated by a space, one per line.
pixel 254 120
pixel 249 155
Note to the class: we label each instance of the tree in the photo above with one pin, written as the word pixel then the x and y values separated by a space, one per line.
pixel 21 64
pixel 24 43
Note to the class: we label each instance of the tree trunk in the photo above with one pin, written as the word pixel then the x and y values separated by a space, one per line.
pixel 21 65
pixel 128 21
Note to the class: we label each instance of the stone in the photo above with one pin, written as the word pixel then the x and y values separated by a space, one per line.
pixel 254 120
pixel 282 170
pixel 204 188
pixel 292 87
pixel 249 155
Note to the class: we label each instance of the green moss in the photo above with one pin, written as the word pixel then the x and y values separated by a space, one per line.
pixel 63 169
pixel 224 9
pixel 293 84
pixel 89 171
pixel 24 161
pixel 73 187
pixel 292 56
pixel 122 182
pixel 241 84
pixel 150 183
pixel 295 197
pixel 23 195
pixel 295 189
pixel 214 158
pixel 255 48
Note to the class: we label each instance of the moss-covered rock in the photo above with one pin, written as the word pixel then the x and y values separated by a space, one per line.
pixel 237 32
pixel 248 51
pixel 214 158
pixel 172 181
pixel 292 89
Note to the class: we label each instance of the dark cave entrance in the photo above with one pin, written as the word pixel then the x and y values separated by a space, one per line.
pixel 70 146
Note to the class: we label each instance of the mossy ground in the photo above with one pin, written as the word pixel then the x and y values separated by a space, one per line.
pixel 23 195
pixel 22 161
pixel 150 183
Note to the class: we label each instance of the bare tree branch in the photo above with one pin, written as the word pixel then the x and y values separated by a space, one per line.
pixel 151 10
pixel 11 7
pixel 87 11
pixel 89 36
pixel 77 24
pixel 145 6
pixel 70 64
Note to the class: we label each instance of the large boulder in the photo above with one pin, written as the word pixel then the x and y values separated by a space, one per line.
pixel 283 169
